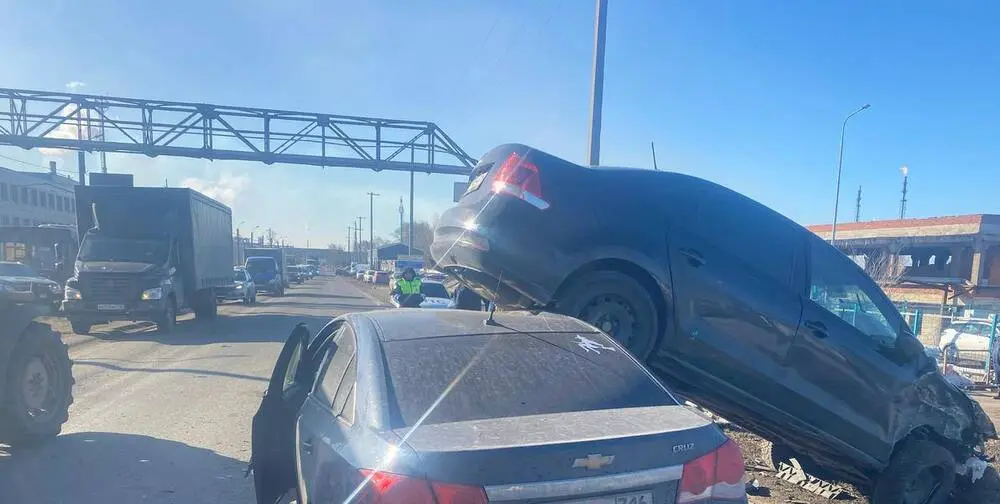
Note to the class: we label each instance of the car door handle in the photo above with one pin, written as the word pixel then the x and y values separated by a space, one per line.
pixel 307 446
pixel 818 328
pixel 694 257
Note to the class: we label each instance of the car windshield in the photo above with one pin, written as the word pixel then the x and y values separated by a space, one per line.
pixel 546 364
pixel 239 276
pixel 261 265
pixel 434 290
pixel 104 248
pixel 8 269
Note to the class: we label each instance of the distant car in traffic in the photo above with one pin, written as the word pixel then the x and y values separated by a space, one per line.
pixel 380 278
pixel 369 276
pixel 737 307
pixel 295 274
pixel 242 289
pixel 434 406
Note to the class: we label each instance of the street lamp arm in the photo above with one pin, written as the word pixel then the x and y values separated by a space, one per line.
pixel 840 164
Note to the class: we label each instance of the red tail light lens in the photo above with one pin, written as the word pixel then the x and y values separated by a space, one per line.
pixel 714 477
pixel 388 488
pixel 518 177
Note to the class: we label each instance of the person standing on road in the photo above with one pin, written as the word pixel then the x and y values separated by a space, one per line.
pixel 407 290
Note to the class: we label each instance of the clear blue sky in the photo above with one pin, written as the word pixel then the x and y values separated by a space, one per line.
pixel 748 94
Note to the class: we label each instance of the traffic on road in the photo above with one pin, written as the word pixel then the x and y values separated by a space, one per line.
pixel 557 332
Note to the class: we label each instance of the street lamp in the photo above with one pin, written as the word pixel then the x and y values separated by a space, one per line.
pixel 840 164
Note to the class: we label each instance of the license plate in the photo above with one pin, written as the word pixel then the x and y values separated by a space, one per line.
pixel 629 498
pixel 110 307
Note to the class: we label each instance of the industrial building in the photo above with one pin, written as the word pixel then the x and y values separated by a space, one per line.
pixel 33 198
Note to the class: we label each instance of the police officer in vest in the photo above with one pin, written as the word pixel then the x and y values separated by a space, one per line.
pixel 407 290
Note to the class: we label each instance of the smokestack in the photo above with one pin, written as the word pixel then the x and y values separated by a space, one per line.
pixel 52 167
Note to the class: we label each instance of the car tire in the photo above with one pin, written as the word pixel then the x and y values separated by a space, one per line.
pixel 41 353
pixel 80 327
pixel 616 304
pixel 168 319
pixel 919 471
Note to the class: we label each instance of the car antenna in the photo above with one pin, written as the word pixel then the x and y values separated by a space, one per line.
pixel 493 305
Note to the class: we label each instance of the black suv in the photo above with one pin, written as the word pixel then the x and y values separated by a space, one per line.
pixel 738 307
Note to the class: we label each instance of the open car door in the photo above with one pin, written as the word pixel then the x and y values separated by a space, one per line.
pixel 272 438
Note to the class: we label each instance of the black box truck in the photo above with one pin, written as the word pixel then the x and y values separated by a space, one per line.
pixel 147 254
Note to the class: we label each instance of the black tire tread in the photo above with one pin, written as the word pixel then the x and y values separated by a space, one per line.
pixel 587 286
pixel 14 429
pixel 906 462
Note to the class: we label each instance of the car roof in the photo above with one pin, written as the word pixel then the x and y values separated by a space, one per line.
pixel 415 323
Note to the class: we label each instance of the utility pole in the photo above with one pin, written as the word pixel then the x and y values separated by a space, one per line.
pixel 350 227
pixel 902 203
pixel 409 236
pixel 357 237
pixel 81 166
pixel 857 207
pixel 597 91
pixel 840 165
pixel 402 211
pixel 371 227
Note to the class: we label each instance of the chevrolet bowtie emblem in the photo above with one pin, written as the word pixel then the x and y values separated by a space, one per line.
pixel 594 461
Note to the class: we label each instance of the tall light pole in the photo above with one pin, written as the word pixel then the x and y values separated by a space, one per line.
pixel 597 91
pixel 840 165
pixel 371 228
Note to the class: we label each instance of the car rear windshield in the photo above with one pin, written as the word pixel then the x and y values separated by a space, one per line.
pixel 261 265
pixel 434 290
pixel 513 375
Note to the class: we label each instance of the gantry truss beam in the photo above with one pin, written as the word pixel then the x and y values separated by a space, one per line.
pixel 40 119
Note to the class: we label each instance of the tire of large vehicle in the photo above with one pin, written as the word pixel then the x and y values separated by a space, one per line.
pixel 919 471
pixel 39 387
pixel 208 308
pixel 168 320
pixel 80 327
pixel 616 304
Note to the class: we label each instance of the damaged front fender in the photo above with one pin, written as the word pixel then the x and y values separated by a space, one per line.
pixel 934 406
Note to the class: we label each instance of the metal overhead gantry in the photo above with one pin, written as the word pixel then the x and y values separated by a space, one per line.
pixel 41 119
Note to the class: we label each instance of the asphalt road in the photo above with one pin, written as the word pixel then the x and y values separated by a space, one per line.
pixel 166 418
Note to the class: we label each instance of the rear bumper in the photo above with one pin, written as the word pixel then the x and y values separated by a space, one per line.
pixel 88 312
pixel 482 255
pixel 231 295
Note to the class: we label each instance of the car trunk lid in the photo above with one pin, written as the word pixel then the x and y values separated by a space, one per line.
pixel 563 446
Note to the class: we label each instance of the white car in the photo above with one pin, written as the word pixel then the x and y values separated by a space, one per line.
pixel 435 296
pixel 967 341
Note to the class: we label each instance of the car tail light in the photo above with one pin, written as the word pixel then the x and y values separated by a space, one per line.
pixel 518 177
pixel 714 477
pixel 388 488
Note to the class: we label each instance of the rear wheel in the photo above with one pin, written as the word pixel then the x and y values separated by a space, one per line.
pixel 616 304
pixel 39 387
pixel 920 472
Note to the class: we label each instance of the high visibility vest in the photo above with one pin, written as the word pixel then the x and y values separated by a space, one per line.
pixel 409 287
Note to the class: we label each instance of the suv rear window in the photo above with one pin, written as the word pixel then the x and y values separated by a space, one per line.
pixel 516 375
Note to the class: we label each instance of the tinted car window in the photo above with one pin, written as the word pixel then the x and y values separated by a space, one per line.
pixel 337 369
pixel 752 233
pixel 434 290
pixel 840 287
pixel 513 375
